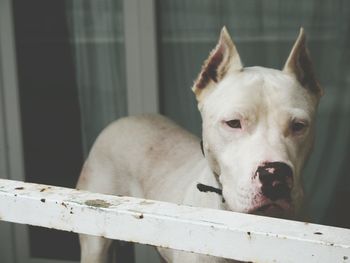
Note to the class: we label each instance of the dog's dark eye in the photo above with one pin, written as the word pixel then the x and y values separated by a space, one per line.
pixel 298 126
pixel 235 124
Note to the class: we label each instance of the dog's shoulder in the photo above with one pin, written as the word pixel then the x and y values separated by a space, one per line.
pixel 146 121
pixel 151 135
pixel 152 126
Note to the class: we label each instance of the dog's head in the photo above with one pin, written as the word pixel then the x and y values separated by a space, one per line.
pixel 258 127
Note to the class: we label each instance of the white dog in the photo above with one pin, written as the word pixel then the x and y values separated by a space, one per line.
pixel 258 131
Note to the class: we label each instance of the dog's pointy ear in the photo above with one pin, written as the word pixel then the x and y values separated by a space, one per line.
pixel 300 65
pixel 222 59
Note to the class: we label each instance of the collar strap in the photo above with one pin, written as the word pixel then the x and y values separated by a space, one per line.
pixel 206 188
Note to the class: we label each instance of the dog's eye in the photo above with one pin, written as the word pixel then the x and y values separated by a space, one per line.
pixel 298 126
pixel 235 124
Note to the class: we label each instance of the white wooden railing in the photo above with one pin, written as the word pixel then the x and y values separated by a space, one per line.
pixel 200 230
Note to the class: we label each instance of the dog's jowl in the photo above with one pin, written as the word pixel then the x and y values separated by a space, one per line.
pixel 258 131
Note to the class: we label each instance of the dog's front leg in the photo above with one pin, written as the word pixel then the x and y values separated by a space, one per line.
pixel 94 249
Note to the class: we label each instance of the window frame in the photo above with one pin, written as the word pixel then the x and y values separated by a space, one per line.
pixel 142 97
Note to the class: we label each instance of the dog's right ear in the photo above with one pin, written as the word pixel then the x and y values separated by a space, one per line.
pixel 222 59
pixel 299 64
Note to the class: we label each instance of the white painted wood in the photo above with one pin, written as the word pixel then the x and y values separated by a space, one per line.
pixel 140 36
pixel 141 56
pixel 213 232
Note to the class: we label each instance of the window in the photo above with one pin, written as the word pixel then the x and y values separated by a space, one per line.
pixel 82 63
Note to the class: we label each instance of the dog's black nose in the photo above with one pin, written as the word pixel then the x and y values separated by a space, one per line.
pixel 276 179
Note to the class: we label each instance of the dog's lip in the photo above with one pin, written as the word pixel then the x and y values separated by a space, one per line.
pixel 267 207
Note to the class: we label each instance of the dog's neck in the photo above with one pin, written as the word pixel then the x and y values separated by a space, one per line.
pixel 209 188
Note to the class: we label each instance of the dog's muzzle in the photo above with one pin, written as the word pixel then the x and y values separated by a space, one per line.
pixel 276 180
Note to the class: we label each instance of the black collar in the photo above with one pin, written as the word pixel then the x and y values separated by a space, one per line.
pixel 206 188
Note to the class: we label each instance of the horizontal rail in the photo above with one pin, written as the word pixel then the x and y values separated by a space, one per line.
pixel 200 230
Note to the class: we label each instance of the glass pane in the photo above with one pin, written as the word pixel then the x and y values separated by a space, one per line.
pixel 96 35
pixel 70 57
pixel 264 32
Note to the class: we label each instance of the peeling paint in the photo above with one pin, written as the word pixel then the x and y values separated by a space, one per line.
pixel 136 214
pixel 249 235
pixel 139 216
pixel 98 203
pixel 145 202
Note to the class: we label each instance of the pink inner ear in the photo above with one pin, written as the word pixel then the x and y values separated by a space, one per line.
pixel 210 69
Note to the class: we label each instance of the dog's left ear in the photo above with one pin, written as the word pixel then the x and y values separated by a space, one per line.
pixel 300 65
pixel 222 59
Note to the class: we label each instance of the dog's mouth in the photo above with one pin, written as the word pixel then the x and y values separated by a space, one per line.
pixel 280 209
